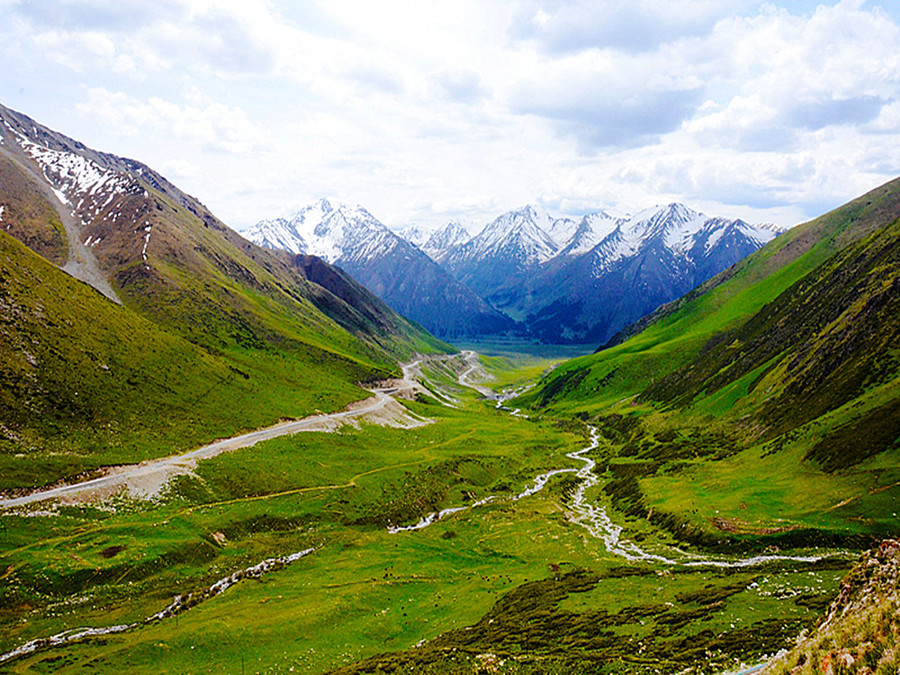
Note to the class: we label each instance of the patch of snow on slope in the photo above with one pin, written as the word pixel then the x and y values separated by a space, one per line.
pixel 563 230
pixel 147 230
pixel 414 235
pixel 762 233
pixel 592 229
pixel 72 176
pixel 714 238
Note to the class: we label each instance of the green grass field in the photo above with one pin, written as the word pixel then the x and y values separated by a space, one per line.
pixel 513 579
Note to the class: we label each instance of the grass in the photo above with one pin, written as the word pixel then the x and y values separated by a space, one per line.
pixel 511 583
pixel 485 580
pixel 128 390
pixel 861 633
pixel 28 216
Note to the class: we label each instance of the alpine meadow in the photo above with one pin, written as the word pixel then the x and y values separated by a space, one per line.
pixel 603 377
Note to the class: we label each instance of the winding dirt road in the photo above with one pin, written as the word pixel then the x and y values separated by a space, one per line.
pixel 147 478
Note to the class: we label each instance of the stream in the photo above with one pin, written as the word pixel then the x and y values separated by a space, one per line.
pixel 180 604
pixel 580 510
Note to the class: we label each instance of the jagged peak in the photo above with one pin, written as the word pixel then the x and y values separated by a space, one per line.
pixel 673 212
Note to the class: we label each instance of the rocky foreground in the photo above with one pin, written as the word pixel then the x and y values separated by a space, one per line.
pixel 861 631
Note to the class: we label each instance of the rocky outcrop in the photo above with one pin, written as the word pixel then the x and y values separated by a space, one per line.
pixel 861 631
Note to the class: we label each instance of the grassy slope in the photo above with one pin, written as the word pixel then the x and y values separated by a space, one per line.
pixel 28 216
pixel 784 371
pixel 860 632
pixel 86 382
pixel 216 335
pixel 162 246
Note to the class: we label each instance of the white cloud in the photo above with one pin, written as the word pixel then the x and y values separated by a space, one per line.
pixel 463 86
pixel 78 51
pixel 215 127
pixel 629 25
pixel 119 34
pixel 413 106
pixel 605 100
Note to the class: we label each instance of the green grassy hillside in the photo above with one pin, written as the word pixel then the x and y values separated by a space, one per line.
pixel 85 382
pixel 214 334
pixel 765 406
pixel 28 216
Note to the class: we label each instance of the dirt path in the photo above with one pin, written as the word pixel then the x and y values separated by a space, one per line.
pixel 474 370
pixel 148 478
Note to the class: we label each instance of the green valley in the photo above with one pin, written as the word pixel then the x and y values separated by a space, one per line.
pixel 509 580
pixel 688 498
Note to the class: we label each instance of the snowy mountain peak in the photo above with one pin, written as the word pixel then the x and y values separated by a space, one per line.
pixel 590 231
pixel 414 235
pixel 327 228
pixel 522 234
pixel 669 215
pixel 562 230
pixel 439 244
pixel 771 227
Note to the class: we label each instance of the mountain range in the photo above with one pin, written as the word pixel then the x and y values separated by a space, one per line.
pixel 394 269
pixel 559 280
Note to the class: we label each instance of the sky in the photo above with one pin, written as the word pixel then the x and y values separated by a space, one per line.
pixel 425 111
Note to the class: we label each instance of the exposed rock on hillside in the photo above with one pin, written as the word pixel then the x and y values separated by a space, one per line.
pixel 861 631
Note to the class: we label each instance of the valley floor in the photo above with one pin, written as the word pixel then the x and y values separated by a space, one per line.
pixel 482 541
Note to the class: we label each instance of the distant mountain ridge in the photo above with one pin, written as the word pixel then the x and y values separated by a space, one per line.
pixel 443 240
pixel 394 269
pixel 525 273
pixel 583 280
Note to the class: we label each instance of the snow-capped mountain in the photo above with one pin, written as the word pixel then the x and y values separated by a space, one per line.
pixel 326 229
pixel 584 279
pixel 590 231
pixel 520 236
pixel 439 244
pixel 646 260
pixel 675 228
pixel 414 235
pixel 385 263
pixel 565 279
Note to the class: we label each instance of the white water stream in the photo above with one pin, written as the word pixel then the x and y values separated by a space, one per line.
pixel 178 605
